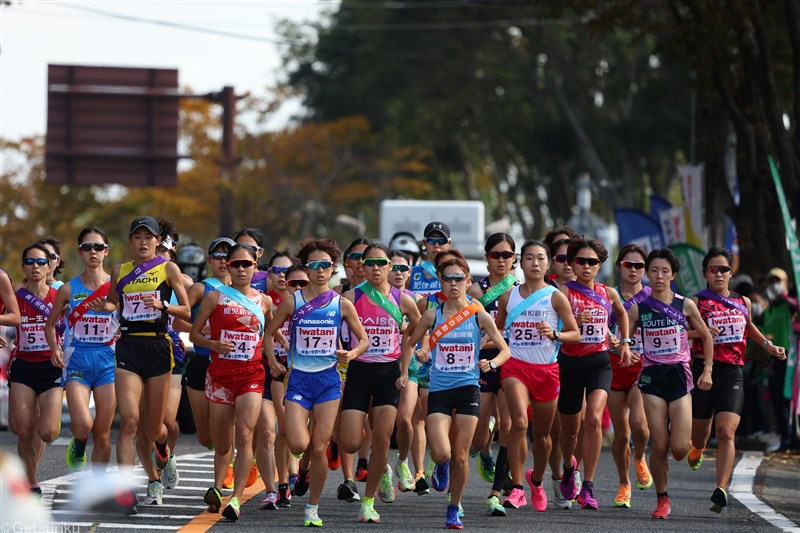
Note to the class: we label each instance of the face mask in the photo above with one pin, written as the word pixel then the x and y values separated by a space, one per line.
pixel 756 308
pixel 774 290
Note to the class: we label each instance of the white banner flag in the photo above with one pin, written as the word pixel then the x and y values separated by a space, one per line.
pixel 692 188
pixel 672 225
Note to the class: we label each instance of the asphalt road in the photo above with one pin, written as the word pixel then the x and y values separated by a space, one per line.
pixel 689 492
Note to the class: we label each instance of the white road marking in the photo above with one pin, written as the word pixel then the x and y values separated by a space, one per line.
pixel 741 488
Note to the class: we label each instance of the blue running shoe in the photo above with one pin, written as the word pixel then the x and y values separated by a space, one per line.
pixel 440 476
pixel 453 521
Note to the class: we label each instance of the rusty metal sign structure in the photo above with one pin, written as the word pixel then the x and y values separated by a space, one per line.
pixel 112 125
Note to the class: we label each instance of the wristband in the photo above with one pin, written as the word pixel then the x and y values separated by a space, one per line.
pixel 627 340
pixel 766 343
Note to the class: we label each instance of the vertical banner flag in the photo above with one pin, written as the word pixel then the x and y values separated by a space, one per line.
pixel 637 227
pixel 791 231
pixel 657 205
pixel 673 225
pixel 690 276
pixel 692 189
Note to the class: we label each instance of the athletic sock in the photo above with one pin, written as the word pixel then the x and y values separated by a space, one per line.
pixel 662 494
pixel 501 469
pixel 537 483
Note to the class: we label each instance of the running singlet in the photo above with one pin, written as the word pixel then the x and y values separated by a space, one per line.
pixel 200 350
pixel 730 344
pixel 524 340
pixel 232 322
pixel 315 338
pixel 594 334
pixel 31 345
pixel 423 282
pixel 455 356
pixel 382 331
pixel 664 341
pixel 636 338
pixel 280 353
pixel 259 281
pixel 135 317
pixel 92 328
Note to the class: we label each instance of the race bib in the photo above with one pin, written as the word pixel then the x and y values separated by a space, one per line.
pixel 244 344
pixel 595 330
pixel 662 341
pixel 636 341
pixel 280 353
pixel 32 338
pixel 92 329
pixel 314 341
pixel 525 334
pixel 134 310
pixel 455 357
pixel 731 328
pixel 381 340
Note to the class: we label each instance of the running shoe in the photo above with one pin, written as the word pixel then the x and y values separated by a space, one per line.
pixel 453 521
pixel 441 476
pixel 228 482
pixel 486 467
pixel 270 502
pixel 421 484
pixel 493 507
pixel 348 491
pixel 231 511
pixel 213 498
pixel 386 488
pixel 292 482
pixel 623 497
pixel 253 477
pixel 567 485
pixel 405 481
pixel 578 482
pixel 719 500
pixel 170 477
pixel 361 471
pixel 301 485
pixel 516 499
pixel 538 495
pixel 126 501
pixel 662 508
pixel 160 459
pixel 586 499
pixel 155 491
pixel 695 458
pixel 76 459
pixel 368 513
pixel 284 495
pixel 560 501
pixel 460 508
pixel 311 518
pixel 643 478
pixel 332 453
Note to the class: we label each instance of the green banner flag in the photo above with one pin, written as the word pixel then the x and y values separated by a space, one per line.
pixel 791 232
pixel 690 276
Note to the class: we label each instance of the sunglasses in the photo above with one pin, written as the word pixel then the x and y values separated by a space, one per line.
pixel 377 261
pixel 449 278
pixel 219 255
pixel 315 265
pixel 355 256
pixel 560 258
pixel 633 265
pixel 719 269
pixel 241 263
pixel 92 245
pixel 41 261
pixel 433 241
pixel 53 256
pixel 278 270
pixel 294 283
pixel 400 268
pixel 500 255
pixel 591 261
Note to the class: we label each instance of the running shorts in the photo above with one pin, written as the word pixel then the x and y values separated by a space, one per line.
pixel 542 381
pixel 371 381
pixel 147 356
pixel 489 381
pixel 91 367
pixel 311 388
pixel 726 394
pixel 41 376
pixel 581 375
pixel 464 400
pixel 668 382
pixel 226 385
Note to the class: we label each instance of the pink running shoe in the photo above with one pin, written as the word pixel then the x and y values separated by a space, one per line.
pixel 516 499
pixel 567 486
pixel 538 495
pixel 586 499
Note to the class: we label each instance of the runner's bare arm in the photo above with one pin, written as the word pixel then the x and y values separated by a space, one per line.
pixel 488 326
pixel 62 299
pixel 696 321
pixel 12 316
pixel 110 303
pixel 570 333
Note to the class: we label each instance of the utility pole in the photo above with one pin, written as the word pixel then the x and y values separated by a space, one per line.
pixel 228 164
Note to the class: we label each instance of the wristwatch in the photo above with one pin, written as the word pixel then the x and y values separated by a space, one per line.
pixel 165 303
pixel 627 340
pixel 556 335
pixel 492 365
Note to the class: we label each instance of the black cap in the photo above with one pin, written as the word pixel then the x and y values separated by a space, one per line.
pixel 146 222
pixel 217 242
pixel 441 227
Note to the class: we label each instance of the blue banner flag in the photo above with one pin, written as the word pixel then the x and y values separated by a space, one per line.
pixel 637 227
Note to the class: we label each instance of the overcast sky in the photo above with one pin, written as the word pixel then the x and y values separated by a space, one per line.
pixel 34 34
